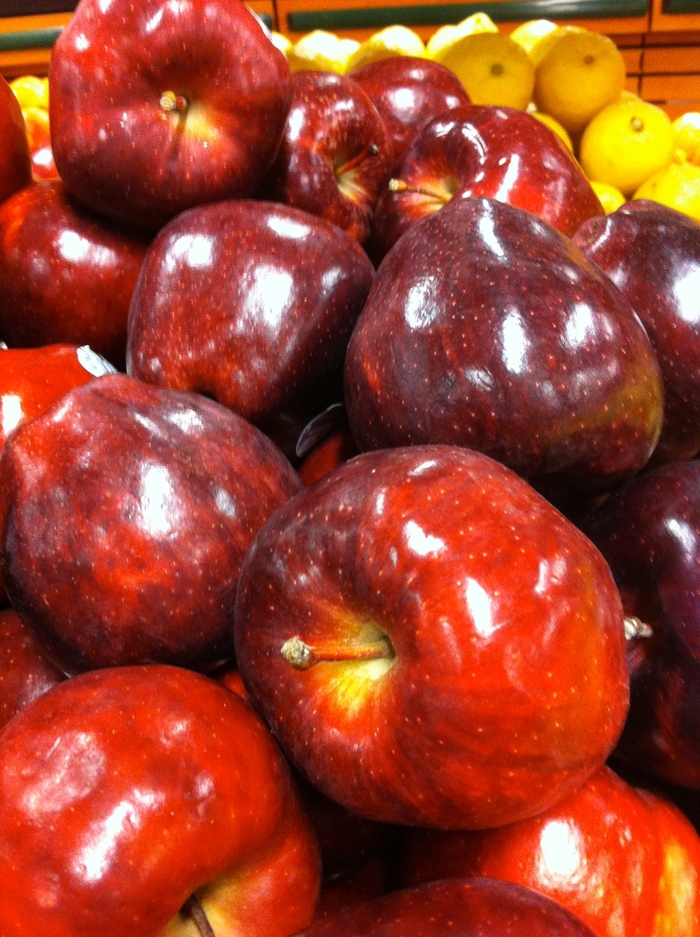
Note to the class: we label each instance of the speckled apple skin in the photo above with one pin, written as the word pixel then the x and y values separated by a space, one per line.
pixel 462 908
pixel 257 313
pixel 577 853
pixel 488 152
pixel 487 328
pixel 66 276
pixel 127 512
pixel 509 684
pixel 331 121
pixel 124 790
pixel 649 533
pixel 652 254
pixel 25 670
pixel 115 146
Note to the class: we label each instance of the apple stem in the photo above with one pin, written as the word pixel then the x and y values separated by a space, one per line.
pixel 193 909
pixel 398 185
pixel 371 150
pixel 302 656
pixel 170 101
pixel 636 628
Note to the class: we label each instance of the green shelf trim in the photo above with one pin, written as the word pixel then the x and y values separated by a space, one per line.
pixel 437 14
pixel 681 6
pixel 267 19
pixel 29 39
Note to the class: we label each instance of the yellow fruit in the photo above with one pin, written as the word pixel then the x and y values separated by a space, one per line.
pixel 554 125
pixel 446 35
pixel 626 143
pixel 31 91
pixel 686 130
pixel 610 197
pixel 282 42
pixel 394 40
pixel 580 73
pixel 677 186
pixel 535 37
pixel 492 68
pixel 321 51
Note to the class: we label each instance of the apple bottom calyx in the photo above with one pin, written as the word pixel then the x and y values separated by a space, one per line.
pixel 193 909
pixel 303 656
pixel 169 101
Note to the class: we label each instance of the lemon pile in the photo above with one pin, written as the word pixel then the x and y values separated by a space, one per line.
pixel 570 78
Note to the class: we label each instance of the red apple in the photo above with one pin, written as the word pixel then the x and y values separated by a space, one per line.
pixel 156 107
pixel 15 162
pixel 431 641
pixel 652 254
pixel 127 512
pixel 477 907
pixel 408 92
pixel 25 670
pixel 253 304
pixel 487 328
pixel 149 800
pixel 335 155
pixel 622 859
pixel 491 152
pixel 66 276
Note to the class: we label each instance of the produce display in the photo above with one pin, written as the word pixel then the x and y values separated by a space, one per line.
pixel 349 485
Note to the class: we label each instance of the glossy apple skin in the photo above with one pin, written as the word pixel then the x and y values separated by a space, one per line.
pixel 125 790
pixel 127 512
pixel 507 685
pixel 460 907
pixel 649 533
pixel 25 670
pixel 487 328
pixel 578 853
pixel 652 254
pixel 257 314
pixel 332 123
pixel 117 148
pixel 489 152
pixel 66 276
pixel 15 161
pixel 408 92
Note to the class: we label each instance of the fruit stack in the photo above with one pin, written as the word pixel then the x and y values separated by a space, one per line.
pixel 349 499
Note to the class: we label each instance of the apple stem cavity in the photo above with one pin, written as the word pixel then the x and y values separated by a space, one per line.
pixel 170 101
pixel 303 656
pixel 371 150
pixel 193 909
pixel 635 628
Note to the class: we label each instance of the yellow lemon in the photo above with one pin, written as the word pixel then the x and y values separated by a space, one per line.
pixel 677 186
pixel 282 42
pixel 580 73
pixel 492 68
pixel 686 130
pixel 554 125
pixel 31 91
pixel 321 51
pixel 626 143
pixel 535 37
pixel 610 197
pixel 446 35
pixel 394 40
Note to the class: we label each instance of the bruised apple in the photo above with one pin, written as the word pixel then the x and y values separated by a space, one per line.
pixel 149 801
pixel 431 641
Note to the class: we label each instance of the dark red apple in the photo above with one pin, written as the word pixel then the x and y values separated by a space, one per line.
pixel 251 303
pixel 487 328
pixel 477 907
pixel 652 254
pixel 127 512
pixel 15 161
pixel 491 152
pixel 335 155
pixel 408 92
pixel 156 107
pixel 25 670
pixel 621 858
pixel 66 276
pixel 149 800
pixel 431 641
pixel 649 533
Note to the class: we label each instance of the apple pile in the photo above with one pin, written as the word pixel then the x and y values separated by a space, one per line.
pixel 349 508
